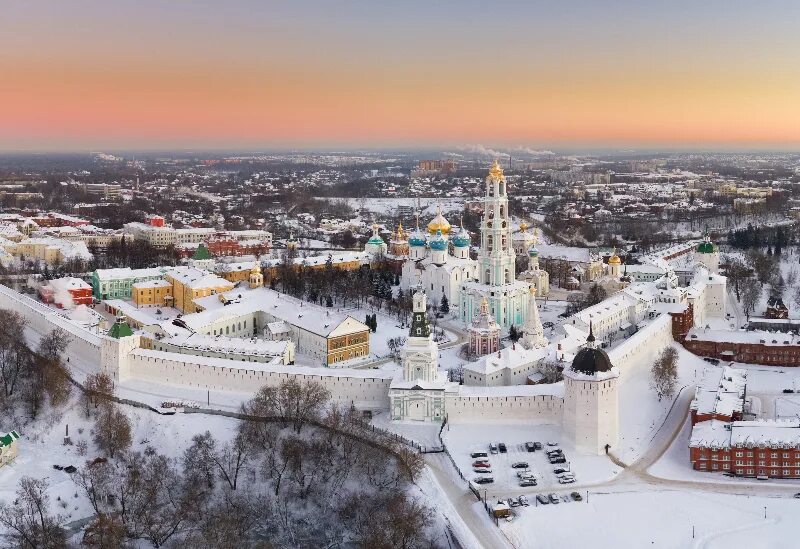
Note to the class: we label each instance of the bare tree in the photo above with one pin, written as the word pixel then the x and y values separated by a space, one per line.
pixel 98 389
pixel 665 373
pixel 751 295
pixel 112 431
pixel 95 480
pixel 292 400
pixel 28 521
pixel 104 532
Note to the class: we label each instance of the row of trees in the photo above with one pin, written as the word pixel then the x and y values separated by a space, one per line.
pixel 29 378
pixel 297 472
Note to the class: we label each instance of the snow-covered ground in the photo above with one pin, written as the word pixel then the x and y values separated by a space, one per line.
pixel 42 445
pixel 640 515
pixel 640 412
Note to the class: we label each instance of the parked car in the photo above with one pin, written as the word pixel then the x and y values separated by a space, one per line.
pixel 513 502
pixel 525 473
pixel 554 452
pixel 559 470
pixel 537 445
pixel 566 474
pixel 492 447
pixel 483 480
pixel 541 498
pixel 502 447
pixel 527 482
pixel 797 495
pixel 482 470
pixel 567 480
pixel 523 500
pixel 787 391
pixel 474 455
pixel 552 443
pixel 481 464
pixel 556 460
pixel 553 498
pixel 710 360
pixel 530 446
pixel 520 465
pixel 576 496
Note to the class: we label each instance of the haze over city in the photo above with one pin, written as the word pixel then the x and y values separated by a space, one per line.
pixel 399 275
pixel 248 74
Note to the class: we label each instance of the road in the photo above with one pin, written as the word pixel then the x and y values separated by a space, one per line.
pixel 633 476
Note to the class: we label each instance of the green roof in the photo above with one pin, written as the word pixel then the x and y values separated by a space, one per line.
pixel 7 439
pixel 202 252
pixel 120 329
pixel 706 247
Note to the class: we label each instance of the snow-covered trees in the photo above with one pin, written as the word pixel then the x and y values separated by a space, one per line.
pixel 112 430
pixel 28 520
pixel 665 373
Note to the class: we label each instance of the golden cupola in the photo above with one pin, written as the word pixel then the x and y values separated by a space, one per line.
pixel 439 223
pixel 496 171
pixel 614 259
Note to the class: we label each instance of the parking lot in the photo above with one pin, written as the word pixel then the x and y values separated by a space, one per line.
pixel 463 440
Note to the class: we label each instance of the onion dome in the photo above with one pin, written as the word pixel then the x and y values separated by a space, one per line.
pixel 533 251
pixel 614 259
pixel 461 239
pixel 706 247
pixel 438 242
pixel 375 239
pixel 439 223
pixel 590 360
pixel 417 239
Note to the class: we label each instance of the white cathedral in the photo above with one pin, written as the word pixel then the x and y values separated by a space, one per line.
pixel 465 282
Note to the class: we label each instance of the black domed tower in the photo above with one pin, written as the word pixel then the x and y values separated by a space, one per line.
pixel 591 407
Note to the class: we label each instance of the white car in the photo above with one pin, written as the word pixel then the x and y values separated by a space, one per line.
pixel 567 480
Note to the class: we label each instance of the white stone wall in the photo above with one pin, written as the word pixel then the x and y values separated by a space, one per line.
pixel 643 347
pixel 191 371
pixel 84 344
pixel 478 409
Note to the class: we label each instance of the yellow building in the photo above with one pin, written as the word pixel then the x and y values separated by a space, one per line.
pixel 157 293
pixel 50 250
pixel 348 345
pixel 190 284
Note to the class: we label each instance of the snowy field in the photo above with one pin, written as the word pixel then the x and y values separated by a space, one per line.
pixel 462 439
pixel 640 412
pixel 42 446
pixel 646 516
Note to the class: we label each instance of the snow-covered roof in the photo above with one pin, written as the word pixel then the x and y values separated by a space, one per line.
pixel 322 321
pixel 742 336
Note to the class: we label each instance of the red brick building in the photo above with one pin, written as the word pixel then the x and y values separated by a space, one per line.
pixel 223 245
pixel 764 448
pixel 66 292
pixel 771 348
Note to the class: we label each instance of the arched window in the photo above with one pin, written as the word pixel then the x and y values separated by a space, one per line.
pixel 489 242
pixel 508 276
pixel 487 276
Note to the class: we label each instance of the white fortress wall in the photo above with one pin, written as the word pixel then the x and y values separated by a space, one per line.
pixel 84 344
pixel 643 347
pixel 538 403
pixel 362 388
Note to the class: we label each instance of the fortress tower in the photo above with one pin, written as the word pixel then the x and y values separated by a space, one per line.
pixel 591 400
